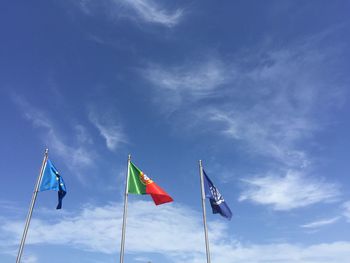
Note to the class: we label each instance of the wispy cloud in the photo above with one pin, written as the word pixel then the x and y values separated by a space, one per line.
pixel 264 133
pixel 148 11
pixel 82 135
pixel 109 129
pixel 73 153
pixel 322 222
pixel 187 83
pixel 289 191
pixel 282 99
pixel 270 102
pixel 196 79
pixel 8 205
pixel 346 212
pixel 30 259
pixel 176 222
pixel 181 238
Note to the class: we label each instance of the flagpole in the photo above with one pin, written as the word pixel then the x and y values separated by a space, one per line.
pixel 122 243
pixel 31 207
pixel 204 212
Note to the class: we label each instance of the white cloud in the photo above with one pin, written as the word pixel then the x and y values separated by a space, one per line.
pixel 187 83
pixel 268 100
pixel 8 205
pixel 84 6
pixel 142 259
pixel 282 94
pixel 75 153
pixel 290 191
pixel 173 231
pixel 82 135
pixel 264 133
pixel 346 211
pixel 336 252
pixel 169 224
pixel 320 223
pixel 148 11
pixel 30 259
pixel 109 130
pixel 196 79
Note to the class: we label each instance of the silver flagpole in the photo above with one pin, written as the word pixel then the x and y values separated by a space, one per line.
pixel 31 207
pixel 122 243
pixel 204 212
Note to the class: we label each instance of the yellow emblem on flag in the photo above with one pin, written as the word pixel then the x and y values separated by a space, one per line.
pixel 145 179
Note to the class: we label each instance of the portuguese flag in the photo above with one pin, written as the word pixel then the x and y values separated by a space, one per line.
pixel 141 184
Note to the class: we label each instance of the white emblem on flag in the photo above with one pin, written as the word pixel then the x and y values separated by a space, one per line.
pixel 216 194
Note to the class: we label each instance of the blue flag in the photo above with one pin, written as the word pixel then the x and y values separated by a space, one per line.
pixel 217 201
pixel 52 180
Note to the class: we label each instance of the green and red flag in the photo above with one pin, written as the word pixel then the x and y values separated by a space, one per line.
pixel 141 184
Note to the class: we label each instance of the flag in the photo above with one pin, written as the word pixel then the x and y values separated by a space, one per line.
pixel 52 180
pixel 140 183
pixel 217 201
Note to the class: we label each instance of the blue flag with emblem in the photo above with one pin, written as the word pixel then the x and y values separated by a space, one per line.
pixel 217 201
pixel 52 180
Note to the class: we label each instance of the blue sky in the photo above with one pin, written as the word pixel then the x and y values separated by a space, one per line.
pixel 258 90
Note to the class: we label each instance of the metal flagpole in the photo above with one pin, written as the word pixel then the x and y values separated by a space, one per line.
pixel 31 207
pixel 204 212
pixel 122 243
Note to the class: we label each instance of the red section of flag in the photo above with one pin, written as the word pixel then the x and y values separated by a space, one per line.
pixel 159 196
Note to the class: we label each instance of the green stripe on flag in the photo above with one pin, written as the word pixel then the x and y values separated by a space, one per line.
pixel 135 185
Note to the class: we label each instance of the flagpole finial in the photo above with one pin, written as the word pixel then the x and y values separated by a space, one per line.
pixel 46 150
pixel 129 157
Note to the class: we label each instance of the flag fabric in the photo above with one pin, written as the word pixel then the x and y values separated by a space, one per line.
pixel 140 183
pixel 52 180
pixel 217 201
